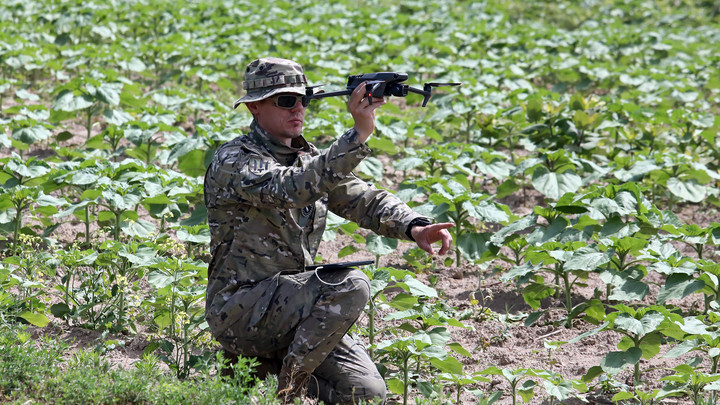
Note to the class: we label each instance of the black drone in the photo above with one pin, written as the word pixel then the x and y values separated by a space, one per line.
pixel 380 84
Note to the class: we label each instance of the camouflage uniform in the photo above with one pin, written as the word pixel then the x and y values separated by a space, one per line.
pixel 267 205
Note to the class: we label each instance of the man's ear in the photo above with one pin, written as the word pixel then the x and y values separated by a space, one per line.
pixel 252 107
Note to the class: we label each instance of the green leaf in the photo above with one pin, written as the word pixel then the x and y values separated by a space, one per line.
pixel 508 187
pixel 639 327
pixel 561 391
pixel 159 279
pixel 396 386
pixel 457 348
pixel 689 190
pixel 402 302
pixel 59 310
pixel 533 317
pixel 519 271
pixel 417 288
pixel 533 110
pixel 474 246
pixel 527 390
pixel 185 146
pixel 485 211
pixel 371 167
pixel 448 365
pixel 595 311
pixel 385 145
pixel 553 184
pixel 515 227
pixel 439 336
pixel 426 388
pixel 533 293
pixel 139 228
pixel 380 245
pixel 678 286
pixel 48 200
pixel 625 288
pixel 163 320
pixel 122 201
pixel 143 256
pixel 36 319
pixel 592 373
pixel 614 362
pixel 408 163
pixel 109 93
pixel 30 135
pixel 623 395
pixel 683 348
pixel 201 236
pixel 346 251
pixel 587 259
pixel 67 101
pixel 650 345
pixel 193 163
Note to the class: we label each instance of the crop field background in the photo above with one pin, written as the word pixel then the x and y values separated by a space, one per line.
pixel 578 161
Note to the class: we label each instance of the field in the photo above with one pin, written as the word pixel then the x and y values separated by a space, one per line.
pixel 578 161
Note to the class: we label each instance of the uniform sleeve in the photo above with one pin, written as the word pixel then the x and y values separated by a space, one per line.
pixel 259 180
pixel 371 208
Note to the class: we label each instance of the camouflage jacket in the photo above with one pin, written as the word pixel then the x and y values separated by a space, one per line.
pixel 267 204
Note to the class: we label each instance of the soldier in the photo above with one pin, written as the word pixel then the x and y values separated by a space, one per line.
pixel 267 194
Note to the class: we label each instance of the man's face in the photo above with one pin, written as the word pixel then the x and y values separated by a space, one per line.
pixel 283 124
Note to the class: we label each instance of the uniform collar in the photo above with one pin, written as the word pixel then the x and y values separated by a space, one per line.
pixel 281 152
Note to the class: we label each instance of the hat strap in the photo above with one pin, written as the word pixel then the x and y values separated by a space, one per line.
pixel 275 81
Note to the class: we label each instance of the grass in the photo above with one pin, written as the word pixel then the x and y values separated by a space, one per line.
pixel 45 371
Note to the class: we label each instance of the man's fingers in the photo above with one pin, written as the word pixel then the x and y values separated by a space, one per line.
pixel 358 94
pixel 433 233
pixel 426 247
pixel 446 242
pixel 442 225
pixel 439 233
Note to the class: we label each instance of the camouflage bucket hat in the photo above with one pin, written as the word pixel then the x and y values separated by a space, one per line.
pixel 266 77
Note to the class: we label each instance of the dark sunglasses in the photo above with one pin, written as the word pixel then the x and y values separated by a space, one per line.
pixel 288 101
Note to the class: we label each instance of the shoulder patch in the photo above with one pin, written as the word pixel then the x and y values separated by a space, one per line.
pixel 257 166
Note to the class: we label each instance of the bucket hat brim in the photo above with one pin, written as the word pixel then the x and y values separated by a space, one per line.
pixel 262 94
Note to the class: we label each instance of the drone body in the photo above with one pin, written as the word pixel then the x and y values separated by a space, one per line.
pixel 380 84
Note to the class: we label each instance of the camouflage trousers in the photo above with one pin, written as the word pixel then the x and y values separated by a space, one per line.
pixel 304 325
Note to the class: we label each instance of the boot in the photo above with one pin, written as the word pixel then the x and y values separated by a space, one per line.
pixel 292 383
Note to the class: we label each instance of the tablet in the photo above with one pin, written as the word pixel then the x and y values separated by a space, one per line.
pixel 338 266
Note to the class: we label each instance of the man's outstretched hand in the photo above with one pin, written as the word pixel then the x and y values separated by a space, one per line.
pixel 425 236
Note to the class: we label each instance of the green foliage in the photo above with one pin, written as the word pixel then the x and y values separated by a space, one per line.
pixel 41 374
pixel 598 115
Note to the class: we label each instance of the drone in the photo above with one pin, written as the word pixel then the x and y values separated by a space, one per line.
pixel 380 84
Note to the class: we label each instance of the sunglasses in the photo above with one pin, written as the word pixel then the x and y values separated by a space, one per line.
pixel 288 101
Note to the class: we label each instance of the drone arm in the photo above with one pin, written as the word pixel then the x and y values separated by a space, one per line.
pixel 378 87
pixel 328 94
pixel 427 90
pixel 424 92
pixel 375 88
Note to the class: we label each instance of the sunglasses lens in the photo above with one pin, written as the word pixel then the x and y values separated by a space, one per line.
pixel 286 101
